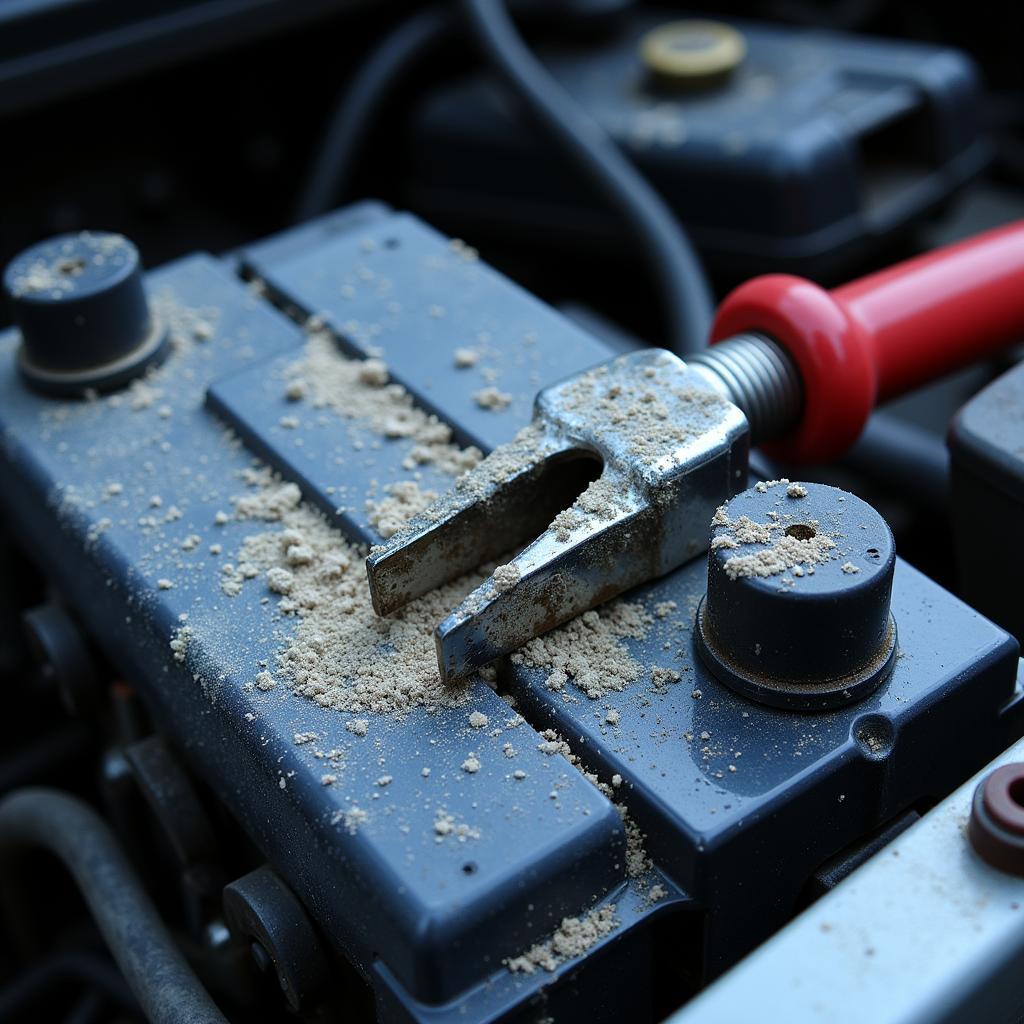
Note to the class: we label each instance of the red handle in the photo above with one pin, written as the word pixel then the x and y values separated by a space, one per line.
pixel 883 334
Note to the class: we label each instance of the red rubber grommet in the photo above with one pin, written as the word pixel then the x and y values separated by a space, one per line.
pixel 832 352
pixel 884 334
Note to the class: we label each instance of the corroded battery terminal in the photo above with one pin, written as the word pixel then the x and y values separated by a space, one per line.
pixel 669 450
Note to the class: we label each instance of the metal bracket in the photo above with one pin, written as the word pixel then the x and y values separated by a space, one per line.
pixel 670 451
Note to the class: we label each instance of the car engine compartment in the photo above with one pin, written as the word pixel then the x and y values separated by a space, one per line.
pixel 497 513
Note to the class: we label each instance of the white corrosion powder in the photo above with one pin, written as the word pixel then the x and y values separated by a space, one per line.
pixel 493 399
pixel 637 862
pixel 362 390
pixel 574 936
pixel 341 654
pixel 589 652
pixel 505 577
pixel 602 500
pixel 787 545
pixel 404 500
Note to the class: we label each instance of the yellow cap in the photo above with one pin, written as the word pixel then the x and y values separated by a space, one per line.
pixel 692 52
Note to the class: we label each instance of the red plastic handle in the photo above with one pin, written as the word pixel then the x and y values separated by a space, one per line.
pixel 883 334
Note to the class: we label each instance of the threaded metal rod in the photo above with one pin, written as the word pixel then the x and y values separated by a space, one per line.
pixel 757 376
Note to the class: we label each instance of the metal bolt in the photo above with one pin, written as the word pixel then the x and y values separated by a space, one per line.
pixel 757 376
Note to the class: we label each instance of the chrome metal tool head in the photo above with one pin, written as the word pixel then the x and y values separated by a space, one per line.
pixel 616 480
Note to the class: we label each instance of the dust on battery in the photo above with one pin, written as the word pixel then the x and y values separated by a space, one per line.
pixel 344 657
pixel 341 654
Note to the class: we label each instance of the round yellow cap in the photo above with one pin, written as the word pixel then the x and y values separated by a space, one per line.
pixel 692 52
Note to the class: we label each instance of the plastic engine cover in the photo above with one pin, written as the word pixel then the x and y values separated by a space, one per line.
pixel 817 148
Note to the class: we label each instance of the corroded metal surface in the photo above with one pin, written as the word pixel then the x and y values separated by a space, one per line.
pixel 669 451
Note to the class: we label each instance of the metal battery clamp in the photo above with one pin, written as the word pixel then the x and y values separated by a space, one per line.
pixel 671 451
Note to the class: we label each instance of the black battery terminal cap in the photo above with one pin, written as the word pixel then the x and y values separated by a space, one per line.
pixel 796 613
pixel 84 318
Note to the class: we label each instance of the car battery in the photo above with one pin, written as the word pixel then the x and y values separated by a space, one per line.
pixel 987 481
pixel 778 147
pixel 598 805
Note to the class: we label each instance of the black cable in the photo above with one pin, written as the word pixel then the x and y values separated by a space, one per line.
pixel 356 110
pixel 674 263
pixel 909 460
pixel 167 989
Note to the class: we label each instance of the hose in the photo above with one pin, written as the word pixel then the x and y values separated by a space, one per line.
pixel 357 108
pixel 167 989
pixel 674 264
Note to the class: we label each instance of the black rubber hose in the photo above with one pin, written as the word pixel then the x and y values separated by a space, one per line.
pixel 910 461
pixel 674 264
pixel 357 108
pixel 167 989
